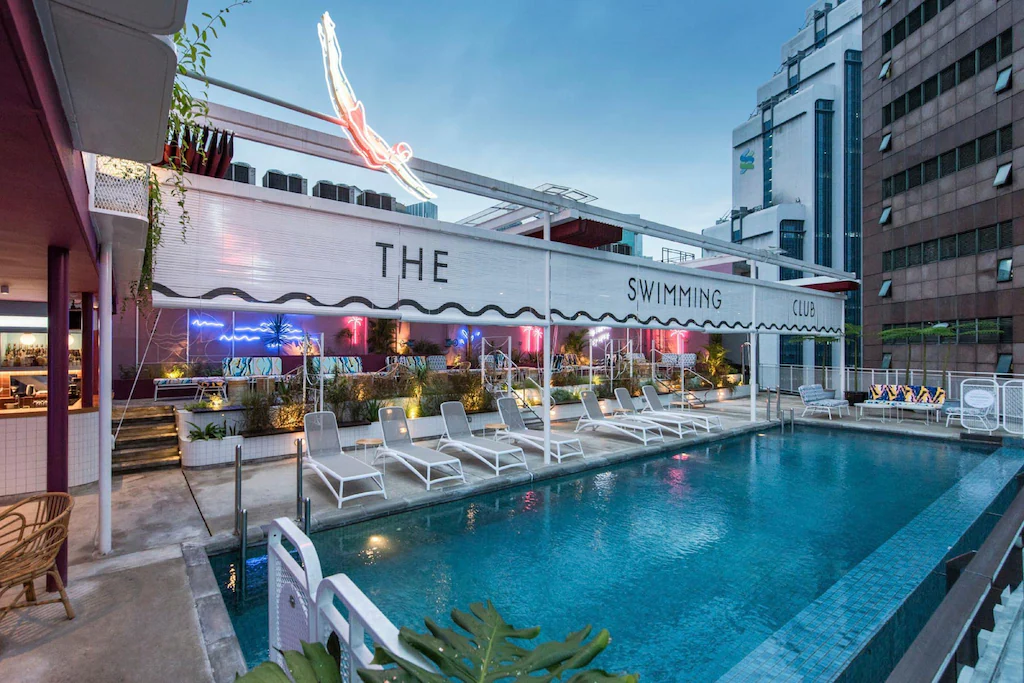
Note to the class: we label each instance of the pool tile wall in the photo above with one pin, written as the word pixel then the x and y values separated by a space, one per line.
pixel 860 627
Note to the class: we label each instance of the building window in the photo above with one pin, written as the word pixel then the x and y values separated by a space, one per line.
pixel 884 218
pixel 791 242
pixel 1004 270
pixel 823 142
pixel 885 289
pixel 791 350
pixel 794 77
pixel 886 361
pixel 1003 79
pixel 820 28
pixel 886 143
pixel 1002 175
pixel 1004 365
pixel 886 69
pixel 853 149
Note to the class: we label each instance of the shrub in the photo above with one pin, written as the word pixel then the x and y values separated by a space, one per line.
pixel 256 407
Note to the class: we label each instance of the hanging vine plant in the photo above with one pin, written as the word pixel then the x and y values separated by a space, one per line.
pixel 193 46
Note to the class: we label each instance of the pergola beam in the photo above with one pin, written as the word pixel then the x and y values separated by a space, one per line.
pixel 309 141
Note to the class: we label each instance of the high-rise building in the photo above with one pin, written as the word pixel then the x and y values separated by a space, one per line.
pixel 796 179
pixel 943 208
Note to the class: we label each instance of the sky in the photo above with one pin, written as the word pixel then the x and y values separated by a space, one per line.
pixel 633 102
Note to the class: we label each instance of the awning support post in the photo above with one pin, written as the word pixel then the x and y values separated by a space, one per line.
pixel 106 395
pixel 546 393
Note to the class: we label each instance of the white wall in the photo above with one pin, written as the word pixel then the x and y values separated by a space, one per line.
pixel 23 452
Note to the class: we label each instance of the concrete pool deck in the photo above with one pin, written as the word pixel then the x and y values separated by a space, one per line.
pixel 116 632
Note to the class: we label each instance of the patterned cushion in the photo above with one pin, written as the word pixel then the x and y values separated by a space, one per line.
pixel 935 395
pixel 411 362
pixel 185 381
pixel 437 363
pixel 338 365
pixel 878 392
pixel 252 366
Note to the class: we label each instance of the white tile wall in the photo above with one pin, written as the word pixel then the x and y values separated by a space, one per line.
pixel 23 452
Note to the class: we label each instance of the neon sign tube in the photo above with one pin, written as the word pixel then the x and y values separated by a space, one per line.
pixel 370 146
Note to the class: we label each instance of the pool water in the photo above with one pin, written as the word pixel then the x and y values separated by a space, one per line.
pixel 690 559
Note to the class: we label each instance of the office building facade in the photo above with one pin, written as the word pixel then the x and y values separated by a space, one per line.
pixel 943 199
pixel 796 178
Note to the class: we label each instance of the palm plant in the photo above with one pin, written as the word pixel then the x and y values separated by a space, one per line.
pixel 575 342
pixel 924 334
pixel 380 336
pixel 275 331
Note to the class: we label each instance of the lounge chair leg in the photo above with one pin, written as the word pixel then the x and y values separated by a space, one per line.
pixel 63 593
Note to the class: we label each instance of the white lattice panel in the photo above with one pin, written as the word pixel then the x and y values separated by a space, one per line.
pixel 1013 406
pixel 121 186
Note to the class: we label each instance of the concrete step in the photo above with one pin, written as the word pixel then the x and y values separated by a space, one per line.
pixel 966 674
pixel 143 459
pixel 983 638
pixel 140 434
pixel 144 412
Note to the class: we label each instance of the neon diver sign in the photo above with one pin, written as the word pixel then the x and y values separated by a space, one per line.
pixel 370 146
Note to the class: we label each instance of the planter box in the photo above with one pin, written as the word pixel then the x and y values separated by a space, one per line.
pixel 209 452
pixel 230 417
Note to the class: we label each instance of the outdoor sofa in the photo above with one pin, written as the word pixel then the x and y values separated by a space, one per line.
pixel 903 397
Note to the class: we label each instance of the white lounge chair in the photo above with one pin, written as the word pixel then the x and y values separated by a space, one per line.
pixel 643 431
pixel 398 445
pixel 677 424
pixel 518 433
pixel 655 407
pixel 324 456
pixel 459 437
pixel 817 400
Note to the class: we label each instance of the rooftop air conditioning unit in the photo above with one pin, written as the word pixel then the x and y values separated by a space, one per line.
pixel 241 172
pixel 370 199
pixel 347 193
pixel 387 202
pixel 275 180
pixel 296 183
pixel 326 190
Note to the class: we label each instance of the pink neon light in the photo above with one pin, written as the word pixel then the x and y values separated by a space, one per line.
pixel 370 146
pixel 680 336
pixel 532 337
pixel 354 324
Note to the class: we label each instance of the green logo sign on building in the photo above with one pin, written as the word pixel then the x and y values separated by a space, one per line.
pixel 746 161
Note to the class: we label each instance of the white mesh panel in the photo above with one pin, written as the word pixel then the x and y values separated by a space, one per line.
pixel 121 186
pixel 292 617
pixel 1013 406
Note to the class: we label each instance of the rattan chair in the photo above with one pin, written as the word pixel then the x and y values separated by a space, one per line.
pixel 31 534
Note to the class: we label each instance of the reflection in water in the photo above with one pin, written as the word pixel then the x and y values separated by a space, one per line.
pixel 690 560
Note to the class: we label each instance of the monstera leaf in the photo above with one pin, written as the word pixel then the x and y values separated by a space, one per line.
pixel 315 664
pixel 487 653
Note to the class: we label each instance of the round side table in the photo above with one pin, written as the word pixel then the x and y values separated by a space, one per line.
pixel 366 444
pixel 495 427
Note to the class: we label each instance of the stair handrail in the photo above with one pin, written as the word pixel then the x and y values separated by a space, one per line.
pixel 968 605
pixel 138 372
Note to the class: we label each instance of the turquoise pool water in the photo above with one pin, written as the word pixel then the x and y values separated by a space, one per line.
pixel 690 559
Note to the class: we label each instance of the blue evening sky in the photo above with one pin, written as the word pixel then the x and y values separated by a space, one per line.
pixel 633 102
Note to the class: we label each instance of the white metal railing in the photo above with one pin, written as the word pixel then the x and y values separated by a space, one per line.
pixel 1009 387
pixel 790 377
pixel 303 606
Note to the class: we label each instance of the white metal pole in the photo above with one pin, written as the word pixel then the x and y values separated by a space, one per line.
pixel 841 385
pixel 232 334
pixel 753 376
pixel 188 335
pixel 106 396
pixel 546 400
pixel 753 352
pixel 322 340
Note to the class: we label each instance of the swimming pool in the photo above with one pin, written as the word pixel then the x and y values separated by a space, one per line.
pixel 690 559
